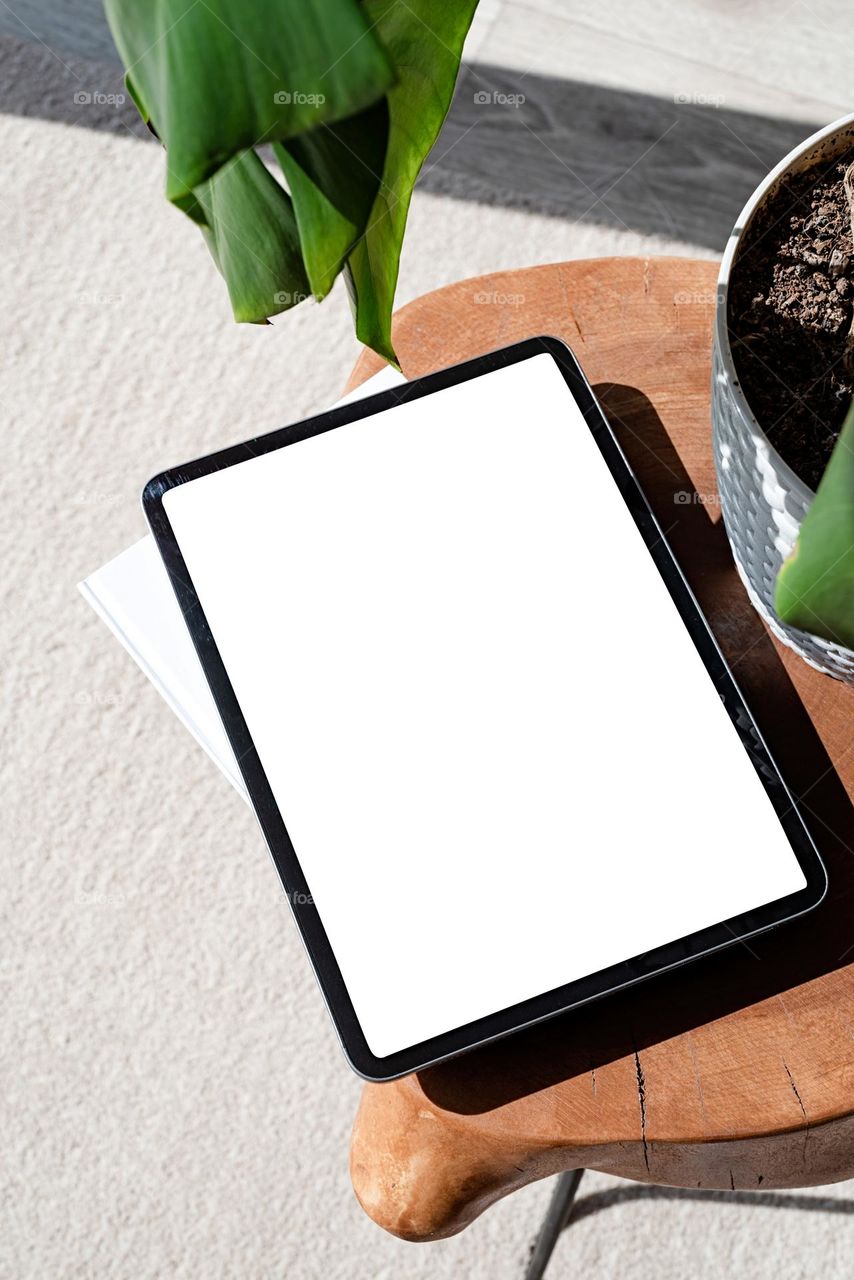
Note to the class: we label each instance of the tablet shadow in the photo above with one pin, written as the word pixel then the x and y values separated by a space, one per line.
pixel 713 986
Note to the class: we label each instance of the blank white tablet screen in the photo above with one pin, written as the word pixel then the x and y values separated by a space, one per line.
pixel 500 759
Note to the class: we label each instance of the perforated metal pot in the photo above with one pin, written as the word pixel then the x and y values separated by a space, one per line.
pixel 762 500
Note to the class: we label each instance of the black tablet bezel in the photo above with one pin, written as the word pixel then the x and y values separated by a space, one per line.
pixel 550 1003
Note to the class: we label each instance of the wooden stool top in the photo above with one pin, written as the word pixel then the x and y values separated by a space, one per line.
pixel 738 1070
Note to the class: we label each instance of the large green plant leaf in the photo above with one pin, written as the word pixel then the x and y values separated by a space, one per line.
pixel 249 225
pixel 216 77
pixel 333 174
pixel 351 96
pixel 424 39
pixel 815 586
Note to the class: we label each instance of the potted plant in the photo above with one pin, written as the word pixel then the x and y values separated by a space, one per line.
pixel 350 97
pixel 783 385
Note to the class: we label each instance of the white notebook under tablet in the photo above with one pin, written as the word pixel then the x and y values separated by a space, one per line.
pixel 449 646
pixel 132 594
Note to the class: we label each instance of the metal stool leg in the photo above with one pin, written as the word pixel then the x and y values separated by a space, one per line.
pixel 554 1222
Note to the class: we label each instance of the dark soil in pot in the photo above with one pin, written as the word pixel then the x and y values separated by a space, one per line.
pixel 791 304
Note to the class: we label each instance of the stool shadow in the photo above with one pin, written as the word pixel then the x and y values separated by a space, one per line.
pixel 716 985
pixel 587 1206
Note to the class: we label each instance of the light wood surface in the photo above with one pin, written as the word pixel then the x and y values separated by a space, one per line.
pixel 737 1071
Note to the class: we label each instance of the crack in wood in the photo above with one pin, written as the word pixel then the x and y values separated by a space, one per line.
pixel 795 1092
pixel 803 1112
pixel 642 1100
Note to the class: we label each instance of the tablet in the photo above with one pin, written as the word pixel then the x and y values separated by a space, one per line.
pixel 499 761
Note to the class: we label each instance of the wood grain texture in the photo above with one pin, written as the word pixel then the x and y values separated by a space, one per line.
pixel 737 1071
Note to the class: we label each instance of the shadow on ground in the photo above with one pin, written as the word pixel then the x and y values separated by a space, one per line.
pixel 563 148
pixel 587 1206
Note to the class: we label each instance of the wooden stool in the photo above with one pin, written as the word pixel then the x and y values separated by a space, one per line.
pixel 738 1070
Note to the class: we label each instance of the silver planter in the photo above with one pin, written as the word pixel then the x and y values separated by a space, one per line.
pixel 762 500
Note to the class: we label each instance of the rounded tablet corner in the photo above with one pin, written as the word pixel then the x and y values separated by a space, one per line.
pixel 552 340
pixel 154 489
pixel 814 892
pixel 812 865
pixel 822 882
pixel 558 347
pixel 367 1067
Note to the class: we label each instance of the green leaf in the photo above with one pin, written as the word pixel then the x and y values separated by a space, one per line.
pixel 333 174
pixel 352 96
pixel 136 99
pixel 216 77
pixel 251 231
pixel 424 39
pixel 815 586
